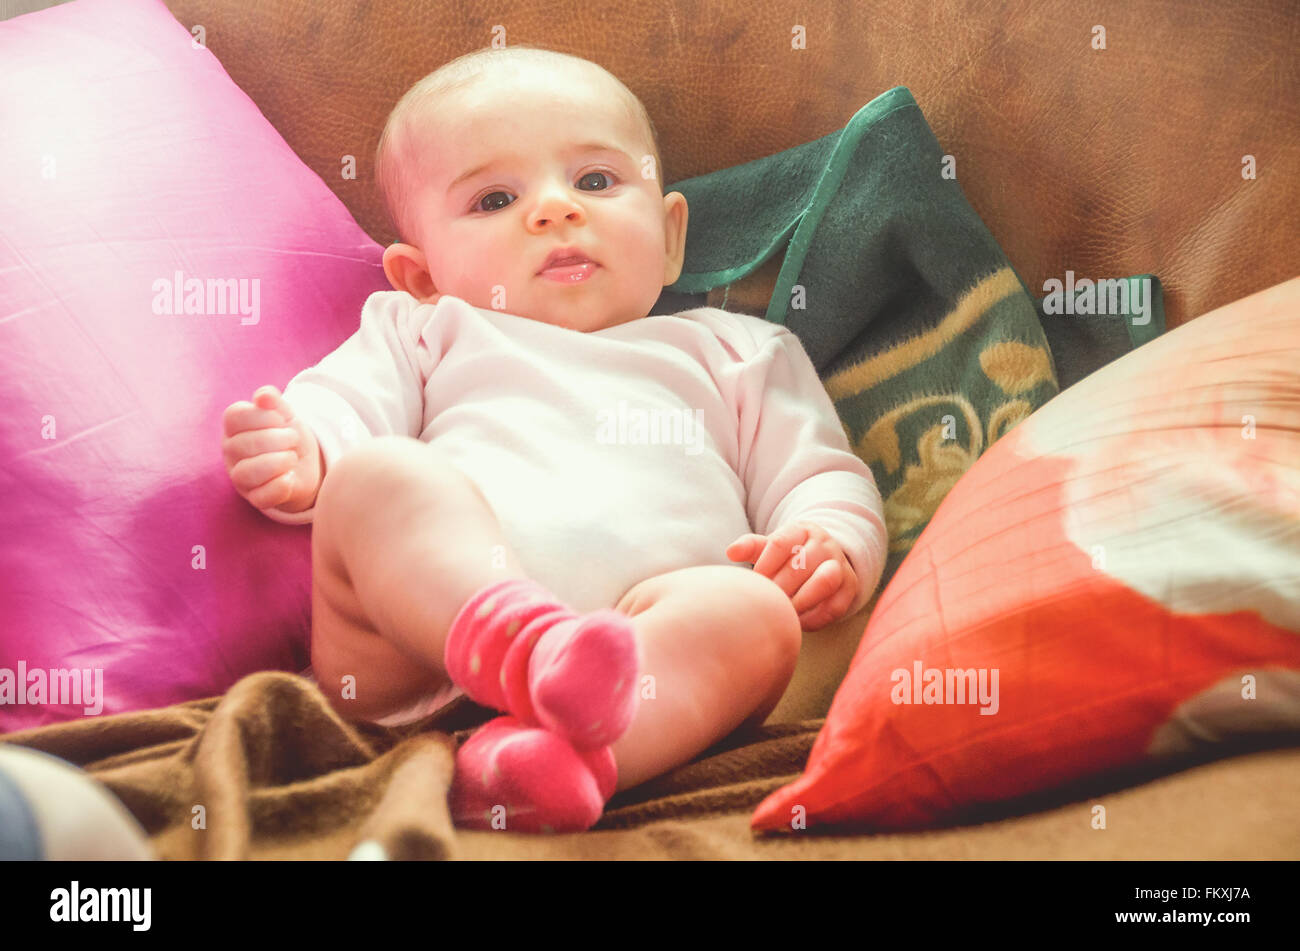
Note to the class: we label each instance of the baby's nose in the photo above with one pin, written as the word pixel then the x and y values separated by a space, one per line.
pixel 543 218
pixel 556 206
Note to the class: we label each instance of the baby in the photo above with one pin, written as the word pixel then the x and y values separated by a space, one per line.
pixel 499 518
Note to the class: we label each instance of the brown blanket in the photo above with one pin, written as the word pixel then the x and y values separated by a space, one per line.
pixel 280 776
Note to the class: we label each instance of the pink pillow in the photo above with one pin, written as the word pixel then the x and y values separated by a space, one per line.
pixel 1114 587
pixel 131 161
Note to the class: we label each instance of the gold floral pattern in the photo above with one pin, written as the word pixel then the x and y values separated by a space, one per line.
pixel 943 459
pixel 1016 367
pixel 911 506
pixel 949 430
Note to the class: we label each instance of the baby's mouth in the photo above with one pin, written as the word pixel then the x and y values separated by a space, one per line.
pixel 569 270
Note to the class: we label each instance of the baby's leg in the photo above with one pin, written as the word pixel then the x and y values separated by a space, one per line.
pixel 400 540
pixel 720 643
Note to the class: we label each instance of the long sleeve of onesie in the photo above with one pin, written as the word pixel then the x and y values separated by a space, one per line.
pixel 371 385
pixel 797 465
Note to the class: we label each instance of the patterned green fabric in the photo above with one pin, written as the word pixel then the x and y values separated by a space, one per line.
pixel 928 342
pixel 1083 340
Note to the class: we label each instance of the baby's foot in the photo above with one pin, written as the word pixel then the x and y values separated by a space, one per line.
pixel 527 779
pixel 582 678
pixel 514 647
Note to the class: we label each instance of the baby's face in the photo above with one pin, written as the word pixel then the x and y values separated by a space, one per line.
pixel 520 167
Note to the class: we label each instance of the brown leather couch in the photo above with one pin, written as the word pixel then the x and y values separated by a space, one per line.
pixel 1119 160
pixel 1122 160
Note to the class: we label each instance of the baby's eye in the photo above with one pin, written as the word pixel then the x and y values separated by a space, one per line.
pixel 589 174
pixel 479 204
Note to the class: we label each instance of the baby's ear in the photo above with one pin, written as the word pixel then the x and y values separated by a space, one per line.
pixel 676 215
pixel 407 270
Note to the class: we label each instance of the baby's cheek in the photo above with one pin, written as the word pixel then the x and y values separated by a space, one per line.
pixel 475 274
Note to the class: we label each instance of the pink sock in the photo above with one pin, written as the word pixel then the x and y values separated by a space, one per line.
pixel 516 648
pixel 526 779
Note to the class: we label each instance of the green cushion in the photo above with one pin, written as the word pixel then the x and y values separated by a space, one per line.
pixel 926 338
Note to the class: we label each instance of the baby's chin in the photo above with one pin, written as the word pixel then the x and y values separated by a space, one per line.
pixel 574 317
pixel 576 322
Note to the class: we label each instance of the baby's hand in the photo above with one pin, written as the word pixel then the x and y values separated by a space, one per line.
pixel 272 457
pixel 818 578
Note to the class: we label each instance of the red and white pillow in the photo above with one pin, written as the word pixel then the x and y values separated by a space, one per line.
pixel 1120 574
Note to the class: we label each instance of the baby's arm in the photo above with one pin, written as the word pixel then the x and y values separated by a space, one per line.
pixel 797 466
pixel 371 385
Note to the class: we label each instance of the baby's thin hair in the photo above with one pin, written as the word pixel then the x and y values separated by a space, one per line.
pixel 398 151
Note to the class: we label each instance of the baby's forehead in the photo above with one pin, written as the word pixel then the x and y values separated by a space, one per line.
pixel 439 127
pixel 428 129
pixel 506 87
